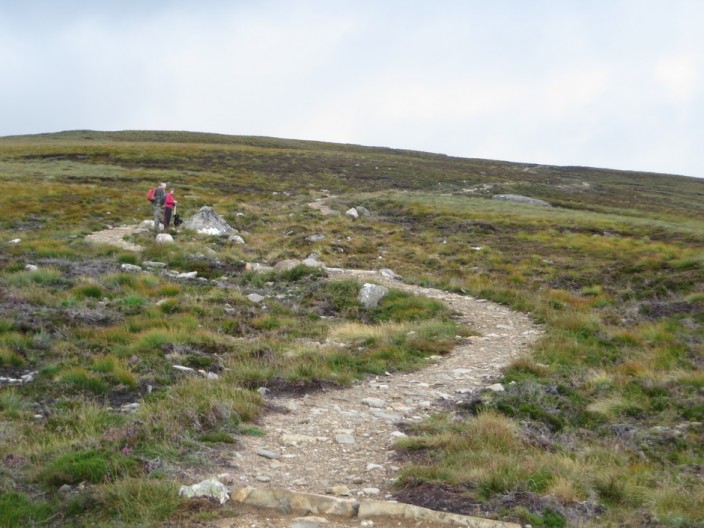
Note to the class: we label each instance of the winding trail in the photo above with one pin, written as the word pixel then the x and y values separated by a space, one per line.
pixel 340 441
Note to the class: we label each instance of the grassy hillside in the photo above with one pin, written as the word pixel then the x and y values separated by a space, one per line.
pixel 600 426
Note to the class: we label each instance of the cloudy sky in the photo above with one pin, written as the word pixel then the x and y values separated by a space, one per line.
pixel 606 83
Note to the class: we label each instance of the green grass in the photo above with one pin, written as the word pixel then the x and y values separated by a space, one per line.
pixel 18 509
pixel 87 466
pixel 605 412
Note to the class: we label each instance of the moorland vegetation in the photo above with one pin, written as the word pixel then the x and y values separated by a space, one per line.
pixel 601 425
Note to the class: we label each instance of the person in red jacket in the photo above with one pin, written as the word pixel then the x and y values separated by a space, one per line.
pixel 169 204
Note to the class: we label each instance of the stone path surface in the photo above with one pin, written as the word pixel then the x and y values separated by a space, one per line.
pixel 340 441
pixel 115 237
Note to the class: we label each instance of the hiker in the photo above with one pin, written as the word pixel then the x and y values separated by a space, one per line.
pixel 157 204
pixel 169 205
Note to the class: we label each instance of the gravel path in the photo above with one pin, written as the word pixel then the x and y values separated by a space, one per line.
pixel 340 441
pixel 114 237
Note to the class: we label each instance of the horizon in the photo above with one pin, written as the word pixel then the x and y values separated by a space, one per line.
pixel 617 83
pixel 517 162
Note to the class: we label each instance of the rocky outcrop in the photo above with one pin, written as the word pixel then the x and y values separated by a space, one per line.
pixel 297 503
pixel 207 222
pixel 521 199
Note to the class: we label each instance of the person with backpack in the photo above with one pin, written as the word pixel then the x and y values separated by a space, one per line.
pixel 169 206
pixel 158 203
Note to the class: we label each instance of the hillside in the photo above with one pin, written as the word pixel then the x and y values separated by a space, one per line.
pixel 601 424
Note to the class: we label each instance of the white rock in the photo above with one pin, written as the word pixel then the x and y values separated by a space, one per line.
pixel 389 274
pixel 237 239
pixel 187 275
pixel 255 298
pixel 164 238
pixel 211 488
pixel 313 263
pixel 346 439
pixel 271 455
pixel 362 211
pixel 31 267
pixel 371 294
pixel 352 213
pixel 496 387
pixel 130 268
pixel 296 439
pixel 150 264
pixel 15 241
pixel 207 222
pixel 374 402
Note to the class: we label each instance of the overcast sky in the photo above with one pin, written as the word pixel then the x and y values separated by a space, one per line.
pixel 605 83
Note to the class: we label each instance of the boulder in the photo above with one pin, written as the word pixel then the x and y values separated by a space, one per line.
pixel 153 264
pixel 164 238
pixel 286 265
pixel 130 267
pixel 255 298
pixel 521 199
pixel 389 274
pixel 362 211
pixel 207 222
pixel 313 263
pixel 257 267
pixel 352 213
pixel 371 294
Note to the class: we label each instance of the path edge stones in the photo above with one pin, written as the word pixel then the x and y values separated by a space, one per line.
pixel 299 503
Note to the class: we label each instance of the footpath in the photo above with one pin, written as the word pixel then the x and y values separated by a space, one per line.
pixel 338 443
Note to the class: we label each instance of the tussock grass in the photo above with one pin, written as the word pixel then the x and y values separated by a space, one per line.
pixel 93 466
pixel 17 509
pixel 138 502
pixel 198 406
pixel 599 427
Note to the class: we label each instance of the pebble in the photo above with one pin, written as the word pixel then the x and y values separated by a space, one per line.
pixel 374 402
pixel 269 454
pixel 346 439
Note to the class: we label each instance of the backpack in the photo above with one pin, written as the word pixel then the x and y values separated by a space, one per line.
pixel 150 194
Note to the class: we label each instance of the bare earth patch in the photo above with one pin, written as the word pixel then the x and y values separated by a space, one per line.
pixel 115 237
